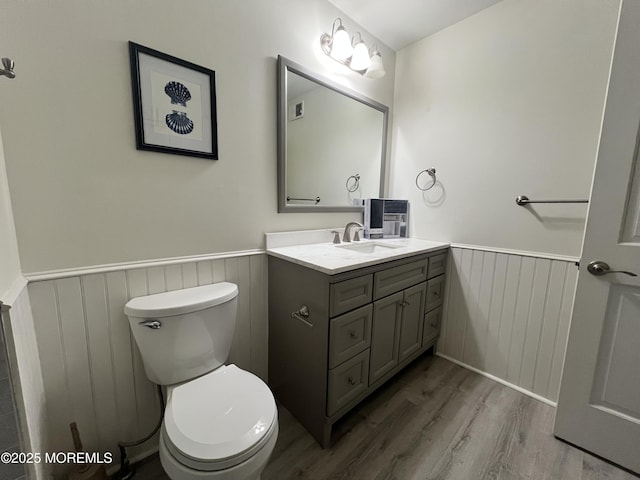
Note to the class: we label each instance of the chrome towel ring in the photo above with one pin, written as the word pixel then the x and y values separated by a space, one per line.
pixel 355 185
pixel 432 174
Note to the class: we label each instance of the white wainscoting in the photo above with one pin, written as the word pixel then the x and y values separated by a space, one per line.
pixel 92 370
pixel 507 315
pixel 28 385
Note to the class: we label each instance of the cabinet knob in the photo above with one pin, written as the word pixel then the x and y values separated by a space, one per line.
pixel 353 334
pixel 351 381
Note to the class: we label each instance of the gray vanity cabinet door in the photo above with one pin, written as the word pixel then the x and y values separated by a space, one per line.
pixel 385 335
pixel 412 320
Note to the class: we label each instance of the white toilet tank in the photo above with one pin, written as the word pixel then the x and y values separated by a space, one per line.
pixel 184 333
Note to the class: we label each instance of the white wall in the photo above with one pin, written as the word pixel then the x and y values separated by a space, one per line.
pixel 505 103
pixel 83 195
pixel 9 258
pixel 21 339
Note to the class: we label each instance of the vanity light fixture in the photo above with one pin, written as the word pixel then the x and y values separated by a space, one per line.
pixel 353 53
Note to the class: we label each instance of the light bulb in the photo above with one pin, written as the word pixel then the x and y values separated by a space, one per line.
pixel 341 48
pixel 376 70
pixel 360 59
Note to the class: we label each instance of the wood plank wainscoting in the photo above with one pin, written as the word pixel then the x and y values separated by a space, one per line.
pixel 506 315
pixel 24 366
pixel 92 370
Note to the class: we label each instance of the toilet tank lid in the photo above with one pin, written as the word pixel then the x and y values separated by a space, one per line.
pixel 179 302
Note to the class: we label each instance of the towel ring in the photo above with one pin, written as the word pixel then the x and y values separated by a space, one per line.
pixel 432 174
pixel 355 185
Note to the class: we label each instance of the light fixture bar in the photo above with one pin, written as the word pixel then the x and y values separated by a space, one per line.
pixel 353 52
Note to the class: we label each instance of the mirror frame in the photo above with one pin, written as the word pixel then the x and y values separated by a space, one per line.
pixel 285 65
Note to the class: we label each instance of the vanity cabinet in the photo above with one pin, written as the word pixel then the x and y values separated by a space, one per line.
pixel 334 339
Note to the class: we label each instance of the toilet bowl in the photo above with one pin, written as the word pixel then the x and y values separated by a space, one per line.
pixel 221 425
pixel 220 422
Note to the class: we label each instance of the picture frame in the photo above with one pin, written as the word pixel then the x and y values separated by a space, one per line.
pixel 174 104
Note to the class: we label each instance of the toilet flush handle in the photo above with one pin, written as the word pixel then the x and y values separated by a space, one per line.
pixel 153 324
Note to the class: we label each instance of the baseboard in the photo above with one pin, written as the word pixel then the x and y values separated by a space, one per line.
pixel 499 380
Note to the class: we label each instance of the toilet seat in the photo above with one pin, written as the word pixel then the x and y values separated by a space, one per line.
pixel 219 420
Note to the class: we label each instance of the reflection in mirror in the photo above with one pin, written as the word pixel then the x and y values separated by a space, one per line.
pixel 331 143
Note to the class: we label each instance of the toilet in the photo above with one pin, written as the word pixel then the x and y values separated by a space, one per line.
pixel 220 422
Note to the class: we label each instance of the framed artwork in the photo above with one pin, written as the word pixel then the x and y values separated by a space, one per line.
pixel 174 104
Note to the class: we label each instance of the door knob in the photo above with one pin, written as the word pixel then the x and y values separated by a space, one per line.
pixel 599 268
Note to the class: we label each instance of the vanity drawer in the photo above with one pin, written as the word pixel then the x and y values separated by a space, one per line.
pixel 398 278
pixel 431 328
pixel 350 294
pixel 437 265
pixel 349 334
pixel 435 293
pixel 347 381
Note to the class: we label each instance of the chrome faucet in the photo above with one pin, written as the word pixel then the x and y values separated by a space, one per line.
pixel 347 237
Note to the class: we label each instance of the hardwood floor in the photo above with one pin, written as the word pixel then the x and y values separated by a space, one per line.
pixel 435 420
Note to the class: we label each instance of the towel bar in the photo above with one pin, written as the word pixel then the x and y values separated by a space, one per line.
pixel 524 200
pixel 317 199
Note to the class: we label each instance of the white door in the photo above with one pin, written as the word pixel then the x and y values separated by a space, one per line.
pixel 599 403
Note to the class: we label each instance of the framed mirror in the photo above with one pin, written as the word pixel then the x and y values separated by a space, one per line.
pixel 332 143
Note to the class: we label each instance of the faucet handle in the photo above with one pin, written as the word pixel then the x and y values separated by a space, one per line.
pixel 356 236
pixel 336 236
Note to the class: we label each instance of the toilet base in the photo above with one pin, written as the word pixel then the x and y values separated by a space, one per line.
pixel 250 469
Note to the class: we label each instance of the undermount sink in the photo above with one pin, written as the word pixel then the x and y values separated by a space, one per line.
pixel 368 247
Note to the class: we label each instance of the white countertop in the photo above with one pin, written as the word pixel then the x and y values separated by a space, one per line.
pixel 331 258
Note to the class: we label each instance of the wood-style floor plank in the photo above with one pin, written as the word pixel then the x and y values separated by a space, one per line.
pixel 434 421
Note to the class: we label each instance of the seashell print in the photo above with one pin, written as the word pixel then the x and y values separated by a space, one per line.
pixel 179 122
pixel 178 93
